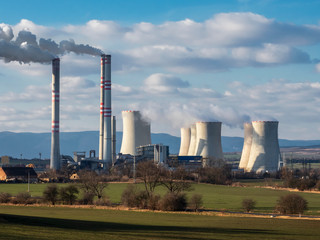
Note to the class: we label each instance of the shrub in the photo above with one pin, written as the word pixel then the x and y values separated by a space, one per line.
pixel 291 204
pixel 5 197
pixel 104 201
pixel 248 204
pixel 51 194
pixel 87 198
pixel 318 185
pixel 133 197
pixel 173 202
pixel 22 198
pixel 68 194
pixel 153 202
pixel 195 202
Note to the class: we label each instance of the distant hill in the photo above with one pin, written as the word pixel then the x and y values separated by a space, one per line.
pixel 31 144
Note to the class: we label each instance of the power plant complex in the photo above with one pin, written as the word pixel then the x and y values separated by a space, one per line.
pixel 260 153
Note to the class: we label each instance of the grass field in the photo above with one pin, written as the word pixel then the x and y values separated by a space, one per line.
pixel 26 222
pixel 216 197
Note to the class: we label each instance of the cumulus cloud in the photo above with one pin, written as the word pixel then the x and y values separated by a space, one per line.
pixel 164 83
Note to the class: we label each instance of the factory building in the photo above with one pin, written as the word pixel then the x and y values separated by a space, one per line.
pixel 264 154
pixel 156 152
pixel 136 132
pixel 21 174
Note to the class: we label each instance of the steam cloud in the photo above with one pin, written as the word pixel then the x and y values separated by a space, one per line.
pixel 26 49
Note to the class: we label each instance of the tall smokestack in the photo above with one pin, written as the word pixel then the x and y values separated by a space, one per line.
pixel 107 141
pixel 102 86
pixel 55 145
pixel 114 138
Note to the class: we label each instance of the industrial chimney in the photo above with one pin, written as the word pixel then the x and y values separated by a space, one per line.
pixel 114 138
pixel 102 86
pixel 107 141
pixel 246 145
pixel 193 139
pixel 185 141
pixel 55 145
pixel 208 144
pixel 265 151
pixel 136 132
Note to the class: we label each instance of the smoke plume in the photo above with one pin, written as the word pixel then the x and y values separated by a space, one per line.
pixel 25 48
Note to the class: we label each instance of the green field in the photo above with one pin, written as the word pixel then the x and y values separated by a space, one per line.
pixel 216 197
pixel 26 222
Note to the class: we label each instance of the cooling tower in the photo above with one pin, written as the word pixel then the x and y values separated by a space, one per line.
pixel 185 141
pixel 193 139
pixel 265 152
pixel 246 145
pixel 55 145
pixel 102 86
pixel 113 137
pixel 208 143
pixel 136 132
pixel 107 141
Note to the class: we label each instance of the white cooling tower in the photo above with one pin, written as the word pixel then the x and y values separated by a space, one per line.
pixel 193 139
pixel 136 132
pixel 208 144
pixel 265 152
pixel 246 145
pixel 185 141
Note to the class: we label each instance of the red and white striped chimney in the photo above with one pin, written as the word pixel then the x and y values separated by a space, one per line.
pixel 107 141
pixel 102 103
pixel 55 145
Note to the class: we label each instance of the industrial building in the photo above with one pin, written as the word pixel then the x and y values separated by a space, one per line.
pixel 264 152
pixel 20 174
pixel 38 164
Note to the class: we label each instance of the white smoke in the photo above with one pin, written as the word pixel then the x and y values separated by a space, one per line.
pixel 26 49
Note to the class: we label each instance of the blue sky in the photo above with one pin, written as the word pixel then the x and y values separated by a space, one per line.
pixel 176 61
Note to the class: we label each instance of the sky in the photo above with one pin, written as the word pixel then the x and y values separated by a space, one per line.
pixel 178 62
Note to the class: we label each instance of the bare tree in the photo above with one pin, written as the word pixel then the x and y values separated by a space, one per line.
pixel 51 193
pixel 175 180
pixel 92 183
pixel 150 175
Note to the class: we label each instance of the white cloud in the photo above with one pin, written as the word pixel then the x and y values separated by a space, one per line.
pixel 164 83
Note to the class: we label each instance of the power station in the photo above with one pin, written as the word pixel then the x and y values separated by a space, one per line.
pixel 260 152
